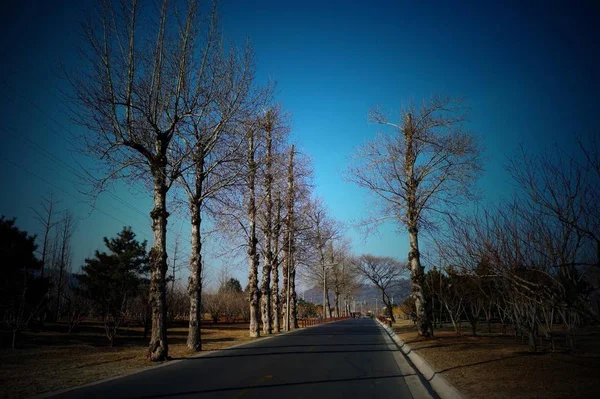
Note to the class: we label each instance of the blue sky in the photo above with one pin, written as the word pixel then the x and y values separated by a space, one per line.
pixel 528 72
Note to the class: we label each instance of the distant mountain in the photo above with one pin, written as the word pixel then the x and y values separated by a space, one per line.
pixel 366 294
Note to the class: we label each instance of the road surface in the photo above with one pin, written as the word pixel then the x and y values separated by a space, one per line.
pixel 353 358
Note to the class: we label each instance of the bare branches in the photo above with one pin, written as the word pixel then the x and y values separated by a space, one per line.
pixel 383 272
pixel 425 168
pixel 444 161
pixel 538 253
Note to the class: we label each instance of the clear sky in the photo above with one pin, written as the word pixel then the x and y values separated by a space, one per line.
pixel 529 72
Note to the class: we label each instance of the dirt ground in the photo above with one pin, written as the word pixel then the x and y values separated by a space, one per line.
pixel 495 366
pixel 52 359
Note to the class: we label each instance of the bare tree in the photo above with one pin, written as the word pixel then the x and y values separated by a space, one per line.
pixel 46 217
pixel 288 246
pixel 565 186
pixel 425 167
pixel 384 273
pixel 276 232
pixel 133 94
pixel 252 240
pixel 63 261
pixel 324 230
pixel 343 277
pixel 78 306
pixel 269 125
pixel 175 262
pixel 213 140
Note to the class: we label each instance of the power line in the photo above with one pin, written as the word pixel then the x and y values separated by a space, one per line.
pixel 33 104
pixel 58 160
pixel 53 158
pixel 16 165
pixel 52 129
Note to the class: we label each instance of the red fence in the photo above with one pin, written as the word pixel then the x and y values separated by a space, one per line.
pixel 318 320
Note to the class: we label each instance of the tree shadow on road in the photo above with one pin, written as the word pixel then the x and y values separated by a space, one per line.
pixel 267 386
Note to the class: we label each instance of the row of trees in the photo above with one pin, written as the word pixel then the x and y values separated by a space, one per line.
pixel 165 102
pixel 49 277
pixel 532 262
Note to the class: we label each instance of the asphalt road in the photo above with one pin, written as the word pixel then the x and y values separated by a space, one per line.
pixel 352 358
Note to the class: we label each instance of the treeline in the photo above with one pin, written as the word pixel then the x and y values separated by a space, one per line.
pixel 531 264
pixel 165 103
pixel 111 287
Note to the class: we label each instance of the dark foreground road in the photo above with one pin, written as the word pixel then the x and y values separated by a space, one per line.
pixel 353 358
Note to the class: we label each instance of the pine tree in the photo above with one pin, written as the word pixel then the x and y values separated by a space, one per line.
pixel 111 280
pixel 22 293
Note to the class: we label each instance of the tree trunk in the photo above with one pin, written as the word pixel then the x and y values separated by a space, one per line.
pixel 336 304
pixel 388 306
pixel 531 339
pixel 293 297
pixel 265 300
pixel 62 266
pixel 146 326
pixel 58 292
pixel 252 242
pixel 194 341
pixel 327 310
pixel 158 349
pixel 417 274
pixel 284 290
pixel 289 273
pixel 417 277
pixel 275 308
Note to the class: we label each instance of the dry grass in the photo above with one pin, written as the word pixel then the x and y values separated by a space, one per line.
pixel 496 366
pixel 53 359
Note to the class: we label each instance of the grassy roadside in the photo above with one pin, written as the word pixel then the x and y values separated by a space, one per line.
pixel 53 359
pixel 495 366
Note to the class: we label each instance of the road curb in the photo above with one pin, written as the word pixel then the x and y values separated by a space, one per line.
pixel 440 385
pixel 167 363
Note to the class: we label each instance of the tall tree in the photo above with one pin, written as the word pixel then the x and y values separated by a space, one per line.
pixel 139 84
pixel 343 278
pixel 427 166
pixel 253 255
pixel 213 139
pixel 46 217
pixel 63 261
pixel 275 130
pixel 324 230
pixel 288 245
pixel 276 305
pixel 265 289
